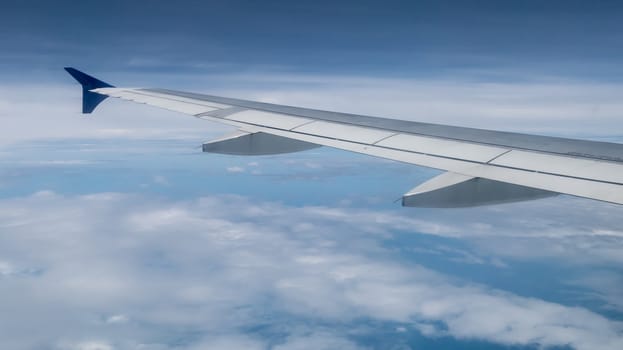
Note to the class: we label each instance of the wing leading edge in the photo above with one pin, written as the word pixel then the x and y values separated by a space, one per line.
pixel 483 166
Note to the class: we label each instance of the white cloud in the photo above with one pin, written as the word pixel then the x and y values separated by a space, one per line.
pixel 160 180
pixel 202 270
pixel 55 113
pixel 317 341
pixel 6 269
pixel 235 169
pixel 537 105
pixel 60 162
pixel 229 341
pixel 90 345
pixel 115 319
pixel 531 105
pixel 604 285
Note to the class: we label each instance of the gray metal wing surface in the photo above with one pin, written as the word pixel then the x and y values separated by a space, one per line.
pixel 482 166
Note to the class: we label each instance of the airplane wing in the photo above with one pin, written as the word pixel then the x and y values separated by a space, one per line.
pixel 482 166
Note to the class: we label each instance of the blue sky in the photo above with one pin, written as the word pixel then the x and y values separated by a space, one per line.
pixel 393 38
pixel 116 232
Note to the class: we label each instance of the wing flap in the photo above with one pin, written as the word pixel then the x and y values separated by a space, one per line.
pixel 344 132
pixel 567 166
pixel 586 188
pixel 273 120
pixel 443 148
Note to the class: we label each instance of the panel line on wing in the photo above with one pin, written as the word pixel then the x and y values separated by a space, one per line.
pixel 385 138
pixel 221 113
pixel 274 120
pixel 347 132
pixel 298 126
pixel 498 156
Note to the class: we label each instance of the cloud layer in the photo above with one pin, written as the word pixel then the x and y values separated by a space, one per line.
pixel 125 272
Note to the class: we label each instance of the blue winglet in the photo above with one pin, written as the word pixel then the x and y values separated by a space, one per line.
pixel 90 99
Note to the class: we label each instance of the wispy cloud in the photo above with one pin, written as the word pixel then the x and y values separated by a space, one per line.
pixel 235 169
pixel 563 107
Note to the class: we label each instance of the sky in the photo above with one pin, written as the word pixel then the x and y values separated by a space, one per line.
pixel 116 232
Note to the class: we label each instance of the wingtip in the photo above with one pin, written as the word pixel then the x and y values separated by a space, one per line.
pixel 90 99
pixel 87 81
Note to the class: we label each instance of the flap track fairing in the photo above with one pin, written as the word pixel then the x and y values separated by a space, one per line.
pixel 254 144
pixel 451 190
